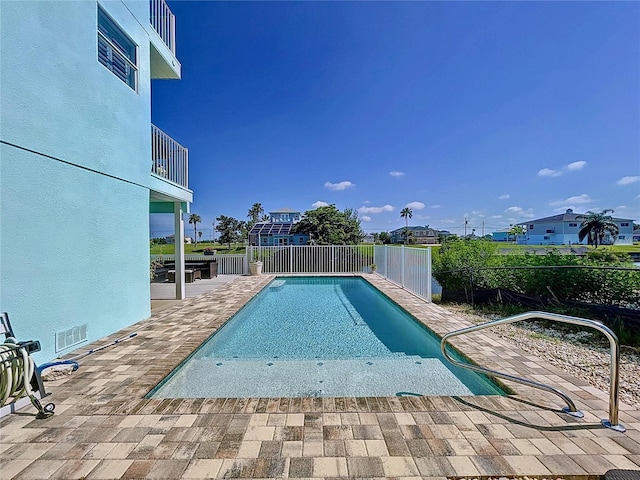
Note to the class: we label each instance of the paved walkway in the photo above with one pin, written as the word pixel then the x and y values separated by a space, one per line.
pixel 163 295
pixel 105 428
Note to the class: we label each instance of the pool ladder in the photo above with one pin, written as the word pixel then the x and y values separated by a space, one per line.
pixel 612 421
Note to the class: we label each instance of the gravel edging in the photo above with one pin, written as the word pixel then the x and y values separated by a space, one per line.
pixel 583 354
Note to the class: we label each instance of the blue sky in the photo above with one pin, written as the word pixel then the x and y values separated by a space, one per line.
pixel 497 112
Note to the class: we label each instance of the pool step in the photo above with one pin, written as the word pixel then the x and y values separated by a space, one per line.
pixel 361 377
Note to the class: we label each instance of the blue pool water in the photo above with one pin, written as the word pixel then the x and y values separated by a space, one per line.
pixel 323 336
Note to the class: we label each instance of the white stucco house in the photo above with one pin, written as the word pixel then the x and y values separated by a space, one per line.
pixel 562 229
pixel 80 159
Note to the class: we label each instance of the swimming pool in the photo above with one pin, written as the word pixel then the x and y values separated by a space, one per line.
pixel 320 337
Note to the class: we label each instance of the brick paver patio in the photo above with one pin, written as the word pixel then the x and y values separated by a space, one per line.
pixel 104 428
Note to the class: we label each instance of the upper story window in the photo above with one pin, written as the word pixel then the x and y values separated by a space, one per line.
pixel 116 51
pixel 531 226
pixel 624 224
pixel 573 224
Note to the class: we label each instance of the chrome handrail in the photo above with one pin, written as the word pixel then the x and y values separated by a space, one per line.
pixel 614 350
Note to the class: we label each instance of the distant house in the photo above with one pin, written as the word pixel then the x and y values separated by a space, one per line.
pixel 563 229
pixel 368 238
pixel 171 239
pixel 636 235
pixel 501 235
pixel 419 235
pixel 277 231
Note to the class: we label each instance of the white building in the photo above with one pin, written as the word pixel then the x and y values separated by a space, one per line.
pixel 563 229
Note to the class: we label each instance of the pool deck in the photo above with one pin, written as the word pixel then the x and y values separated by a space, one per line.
pixel 104 428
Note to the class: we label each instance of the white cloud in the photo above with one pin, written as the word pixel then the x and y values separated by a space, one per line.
pixel 415 205
pixel 520 212
pixel 319 203
pixel 336 187
pixel 547 172
pixel 506 196
pixel 385 208
pixel 396 174
pixel 572 167
pixel 628 180
pixel 435 206
pixel 580 199
pixel 365 218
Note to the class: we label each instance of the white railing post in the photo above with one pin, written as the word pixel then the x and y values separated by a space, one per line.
pixel 290 258
pixel 402 266
pixel 429 280
pixel 386 263
pixel 172 45
pixel 333 259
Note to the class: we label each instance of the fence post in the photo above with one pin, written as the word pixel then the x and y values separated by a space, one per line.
pixel 402 264
pixel 429 279
pixel 333 259
pixel 386 262
pixel 290 258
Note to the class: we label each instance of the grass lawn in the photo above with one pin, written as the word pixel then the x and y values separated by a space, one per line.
pixel 191 248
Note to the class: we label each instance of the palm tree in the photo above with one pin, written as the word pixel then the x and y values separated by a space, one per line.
pixel 195 218
pixel 515 230
pixel 595 227
pixel 406 213
pixel 256 212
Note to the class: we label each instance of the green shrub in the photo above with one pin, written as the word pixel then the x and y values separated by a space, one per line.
pixel 600 277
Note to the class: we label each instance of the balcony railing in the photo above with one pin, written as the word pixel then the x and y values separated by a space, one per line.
pixel 170 160
pixel 163 21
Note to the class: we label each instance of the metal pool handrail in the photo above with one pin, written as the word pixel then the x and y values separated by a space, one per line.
pixel 612 421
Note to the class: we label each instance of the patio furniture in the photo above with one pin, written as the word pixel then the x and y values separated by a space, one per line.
pixel 189 275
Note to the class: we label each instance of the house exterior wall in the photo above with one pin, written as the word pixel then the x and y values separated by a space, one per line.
pixel 566 233
pixel 74 172
pixel 280 240
pixel 500 236
pixel 284 217
pixel 421 235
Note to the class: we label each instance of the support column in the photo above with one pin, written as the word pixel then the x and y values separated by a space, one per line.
pixel 179 255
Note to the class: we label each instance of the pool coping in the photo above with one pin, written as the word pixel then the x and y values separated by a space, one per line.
pixel 104 427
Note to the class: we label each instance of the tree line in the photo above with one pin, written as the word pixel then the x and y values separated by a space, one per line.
pixel 325 226
pixel 328 226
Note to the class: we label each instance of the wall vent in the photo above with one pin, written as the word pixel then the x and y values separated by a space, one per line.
pixel 70 337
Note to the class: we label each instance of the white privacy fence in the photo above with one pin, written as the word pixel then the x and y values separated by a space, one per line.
pixel 313 258
pixel 408 267
pixel 227 264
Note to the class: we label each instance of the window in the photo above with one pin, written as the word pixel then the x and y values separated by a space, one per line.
pixel 531 226
pixel 573 225
pixel 116 51
pixel 624 224
pixel 621 237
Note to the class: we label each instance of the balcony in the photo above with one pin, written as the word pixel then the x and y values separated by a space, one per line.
pixel 164 63
pixel 163 21
pixel 170 160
